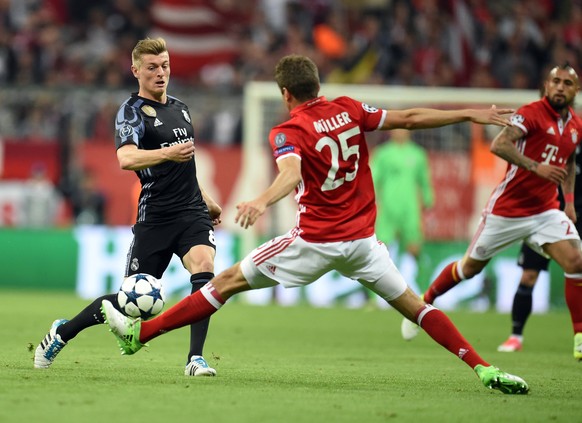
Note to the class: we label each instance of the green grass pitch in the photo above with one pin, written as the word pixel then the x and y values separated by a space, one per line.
pixel 278 364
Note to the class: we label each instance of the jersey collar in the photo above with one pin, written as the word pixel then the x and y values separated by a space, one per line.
pixel 307 105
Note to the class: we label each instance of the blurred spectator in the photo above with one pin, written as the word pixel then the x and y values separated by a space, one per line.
pixel 42 201
pixel 65 44
pixel 88 202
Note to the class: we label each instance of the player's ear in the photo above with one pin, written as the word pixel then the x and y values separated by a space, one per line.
pixel 134 70
pixel 286 94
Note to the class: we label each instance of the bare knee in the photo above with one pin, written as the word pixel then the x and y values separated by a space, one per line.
pixel 229 282
pixel 529 277
pixel 574 265
pixel 199 259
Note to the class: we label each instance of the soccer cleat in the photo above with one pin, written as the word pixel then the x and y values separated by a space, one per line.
pixel 50 347
pixel 198 367
pixel 493 378
pixel 578 346
pixel 512 344
pixel 409 330
pixel 125 329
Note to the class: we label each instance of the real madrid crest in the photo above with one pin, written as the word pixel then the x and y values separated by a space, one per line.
pixel 574 134
pixel 149 110
pixel 185 113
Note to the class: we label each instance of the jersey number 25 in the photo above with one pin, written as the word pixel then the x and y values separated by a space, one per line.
pixel 346 151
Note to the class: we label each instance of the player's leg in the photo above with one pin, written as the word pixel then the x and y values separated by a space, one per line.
pixel 280 258
pixel 493 234
pixel 532 264
pixel 452 274
pixel 558 237
pixel 390 285
pixel 148 253
pixel 200 263
pixel 132 334
pixel 63 330
pixel 568 255
pixel 440 328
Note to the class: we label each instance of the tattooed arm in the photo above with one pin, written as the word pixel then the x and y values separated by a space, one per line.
pixel 504 146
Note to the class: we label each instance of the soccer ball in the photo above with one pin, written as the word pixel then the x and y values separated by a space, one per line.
pixel 141 295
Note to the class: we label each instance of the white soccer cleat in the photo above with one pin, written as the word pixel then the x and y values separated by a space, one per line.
pixel 409 330
pixel 49 347
pixel 578 346
pixel 199 367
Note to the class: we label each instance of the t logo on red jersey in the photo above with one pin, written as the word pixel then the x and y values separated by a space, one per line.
pixel 550 154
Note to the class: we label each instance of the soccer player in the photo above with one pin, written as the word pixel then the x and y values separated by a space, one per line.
pixel 532 264
pixel 401 177
pixel 154 137
pixel 321 153
pixel 540 148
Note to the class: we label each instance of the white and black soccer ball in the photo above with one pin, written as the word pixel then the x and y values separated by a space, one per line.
pixel 141 295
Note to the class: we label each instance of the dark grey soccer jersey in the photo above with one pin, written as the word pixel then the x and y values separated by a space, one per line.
pixel 169 189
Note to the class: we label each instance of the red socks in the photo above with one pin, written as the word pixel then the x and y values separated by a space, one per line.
pixel 442 330
pixel 197 306
pixel 573 294
pixel 448 278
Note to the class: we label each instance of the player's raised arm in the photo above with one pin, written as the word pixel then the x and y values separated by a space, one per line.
pixel 422 118
pixel 289 176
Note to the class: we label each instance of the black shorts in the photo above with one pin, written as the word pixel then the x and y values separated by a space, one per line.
pixel 531 260
pixel 154 244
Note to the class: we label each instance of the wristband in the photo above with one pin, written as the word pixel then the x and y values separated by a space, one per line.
pixel 569 197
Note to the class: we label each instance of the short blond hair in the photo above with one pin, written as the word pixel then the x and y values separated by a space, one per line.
pixel 154 46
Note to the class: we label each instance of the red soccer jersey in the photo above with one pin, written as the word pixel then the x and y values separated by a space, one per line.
pixel 547 140
pixel 336 195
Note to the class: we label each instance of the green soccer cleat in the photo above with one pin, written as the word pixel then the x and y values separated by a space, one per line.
pixel 578 346
pixel 493 378
pixel 125 329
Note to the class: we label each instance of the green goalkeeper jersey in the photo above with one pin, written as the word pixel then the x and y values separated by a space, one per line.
pixel 403 188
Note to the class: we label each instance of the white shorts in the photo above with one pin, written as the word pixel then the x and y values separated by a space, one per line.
pixel 291 261
pixel 496 233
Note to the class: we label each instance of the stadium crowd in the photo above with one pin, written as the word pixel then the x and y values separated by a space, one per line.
pixel 463 43
pixel 217 46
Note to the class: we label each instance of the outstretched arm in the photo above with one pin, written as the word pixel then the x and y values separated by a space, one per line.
pixel 422 118
pixel 504 146
pixel 289 176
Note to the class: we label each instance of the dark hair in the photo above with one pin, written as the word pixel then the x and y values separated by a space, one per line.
pixel 564 66
pixel 299 75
